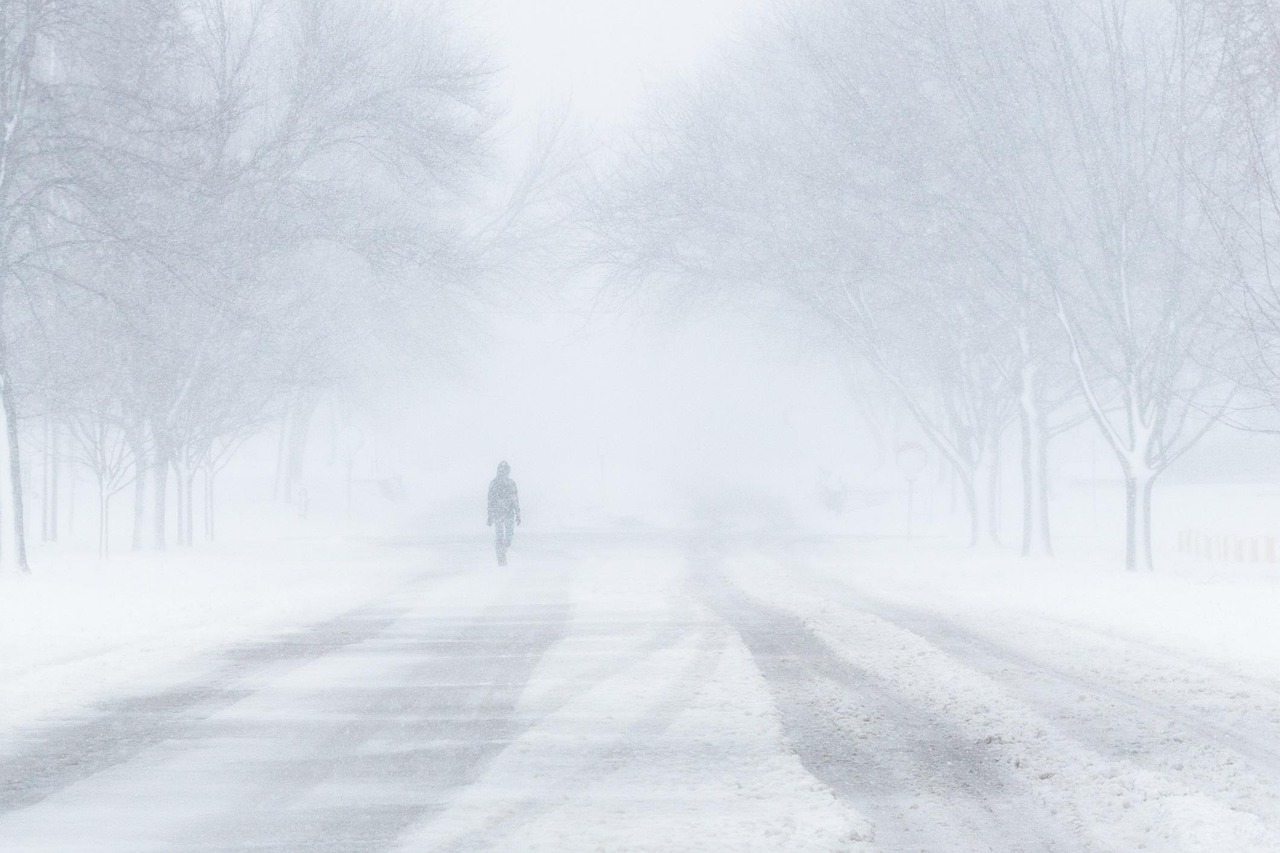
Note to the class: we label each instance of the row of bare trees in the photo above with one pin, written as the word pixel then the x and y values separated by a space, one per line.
pixel 211 213
pixel 1013 215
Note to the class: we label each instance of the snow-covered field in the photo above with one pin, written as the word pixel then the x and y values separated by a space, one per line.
pixel 677 693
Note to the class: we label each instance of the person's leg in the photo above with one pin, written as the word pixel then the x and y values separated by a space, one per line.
pixel 500 540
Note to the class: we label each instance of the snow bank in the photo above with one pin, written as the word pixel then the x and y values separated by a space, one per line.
pixel 1226 615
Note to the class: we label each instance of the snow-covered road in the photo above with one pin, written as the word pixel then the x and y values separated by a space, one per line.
pixel 924 783
pixel 663 695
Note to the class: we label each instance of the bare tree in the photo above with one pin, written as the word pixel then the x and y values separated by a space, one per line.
pixel 806 170
pixel 309 128
pixel 1005 208
pixel 1138 290
pixel 104 449
pixel 992 156
pixel 1245 206
pixel 28 169
pixel 169 171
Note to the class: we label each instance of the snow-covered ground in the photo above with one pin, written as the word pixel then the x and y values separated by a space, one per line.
pixel 1141 709
pixel 79 630
pixel 653 693
pixel 581 699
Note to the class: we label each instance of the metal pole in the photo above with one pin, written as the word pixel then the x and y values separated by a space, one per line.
pixel 911 501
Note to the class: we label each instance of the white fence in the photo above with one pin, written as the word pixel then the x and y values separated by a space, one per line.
pixel 1226 547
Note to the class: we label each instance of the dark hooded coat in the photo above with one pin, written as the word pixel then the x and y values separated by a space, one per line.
pixel 504 497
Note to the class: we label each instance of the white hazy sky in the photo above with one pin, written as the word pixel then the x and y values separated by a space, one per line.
pixel 604 411
pixel 602 55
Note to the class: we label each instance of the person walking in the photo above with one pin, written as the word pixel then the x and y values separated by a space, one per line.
pixel 504 510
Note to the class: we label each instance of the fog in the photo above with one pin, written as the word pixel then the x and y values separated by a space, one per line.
pixel 615 419
pixel 578 425
pixel 770 255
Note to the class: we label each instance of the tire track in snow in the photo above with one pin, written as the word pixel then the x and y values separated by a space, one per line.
pixel 380 760
pixel 914 773
pixel 1092 741
pixel 989 655
pixel 43 760
pixel 1163 695
pixel 1114 719
pixel 629 743
pixel 1235 689
pixel 56 756
pixel 342 763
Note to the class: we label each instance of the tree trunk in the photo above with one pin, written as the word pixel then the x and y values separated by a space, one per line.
pixel 1137 550
pixel 1035 465
pixel 183 486
pixel 141 475
pixel 180 508
pixel 1045 543
pixel 292 445
pixel 181 495
pixel 55 467
pixel 351 479
pixel 191 510
pixel 971 503
pixel 953 499
pixel 71 504
pixel 278 491
pixel 160 494
pixel 51 462
pixel 1029 480
pixel 994 489
pixel 13 544
pixel 188 507
pixel 104 533
pixel 299 429
pixel 208 504
pixel 44 481
pixel 975 483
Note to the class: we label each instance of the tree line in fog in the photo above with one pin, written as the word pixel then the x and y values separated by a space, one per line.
pixel 212 212
pixel 1014 217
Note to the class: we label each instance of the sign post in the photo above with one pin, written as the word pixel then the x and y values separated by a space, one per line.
pixel 912 458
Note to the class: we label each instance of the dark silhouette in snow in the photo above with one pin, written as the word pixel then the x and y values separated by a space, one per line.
pixel 504 510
